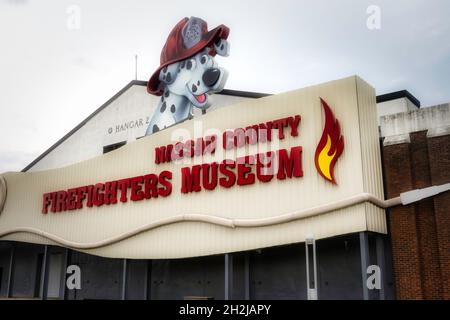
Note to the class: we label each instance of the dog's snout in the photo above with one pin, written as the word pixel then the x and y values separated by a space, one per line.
pixel 211 76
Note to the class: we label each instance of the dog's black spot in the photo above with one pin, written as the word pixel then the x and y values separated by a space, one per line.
pixel 165 69
pixel 162 98
pixel 173 108
pixel 221 47
pixel 198 82
pixel 182 64
pixel 169 77
pixel 163 107
pixel 194 88
pixel 167 93
pixel 164 77
pixel 189 65
pixel 218 40
pixel 155 128
pixel 203 60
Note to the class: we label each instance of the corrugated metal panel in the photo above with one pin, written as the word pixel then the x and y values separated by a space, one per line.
pixel 371 155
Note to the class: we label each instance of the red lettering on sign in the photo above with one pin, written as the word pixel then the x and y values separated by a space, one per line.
pixel 71 199
pixel 230 179
pixel 61 197
pixel 151 186
pixel 239 137
pixel 251 134
pixel 228 140
pixel 160 155
pixel 190 179
pixel 81 195
pixel 123 186
pixel 98 195
pixel 280 124
pixel 265 166
pixel 294 123
pixel 136 188
pixel 244 169
pixel 210 144
pixel 89 199
pixel 209 175
pixel 46 201
pixel 177 153
pixel 164 180
pixel 110 192
pixel 290 165
pixel 189 149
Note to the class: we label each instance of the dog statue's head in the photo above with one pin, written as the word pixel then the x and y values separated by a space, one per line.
pixel 187 73
pixel 197 76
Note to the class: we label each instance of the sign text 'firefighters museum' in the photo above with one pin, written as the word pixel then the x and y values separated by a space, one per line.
pixel 245 170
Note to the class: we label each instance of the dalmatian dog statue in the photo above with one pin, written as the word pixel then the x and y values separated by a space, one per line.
pixel 188 72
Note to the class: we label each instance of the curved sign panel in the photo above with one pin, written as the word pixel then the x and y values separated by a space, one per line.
pixel 265 172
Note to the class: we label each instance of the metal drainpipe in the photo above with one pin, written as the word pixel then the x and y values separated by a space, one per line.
pixel 381 261
pixel 365 261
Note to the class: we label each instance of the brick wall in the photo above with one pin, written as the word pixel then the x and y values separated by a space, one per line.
pixel 439 152
pixel 420 232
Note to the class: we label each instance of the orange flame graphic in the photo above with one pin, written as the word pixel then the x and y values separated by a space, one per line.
pixel 330 146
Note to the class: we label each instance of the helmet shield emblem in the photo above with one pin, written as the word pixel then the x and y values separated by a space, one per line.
pixel 192 32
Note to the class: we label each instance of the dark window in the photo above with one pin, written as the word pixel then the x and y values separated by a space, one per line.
pixel 114 146
pixel 37 283
pixel 1 279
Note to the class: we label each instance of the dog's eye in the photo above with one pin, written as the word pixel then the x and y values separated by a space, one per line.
pixel 203 59
pixel 190 64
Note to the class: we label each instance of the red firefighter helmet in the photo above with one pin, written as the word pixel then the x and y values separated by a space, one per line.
pixel 187 38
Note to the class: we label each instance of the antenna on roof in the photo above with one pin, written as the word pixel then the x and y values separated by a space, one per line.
pixel 135 66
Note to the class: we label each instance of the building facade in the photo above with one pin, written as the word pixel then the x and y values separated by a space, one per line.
pixel 412 253
pixel 416 154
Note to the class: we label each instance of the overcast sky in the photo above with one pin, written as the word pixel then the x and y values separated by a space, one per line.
pixel 55 71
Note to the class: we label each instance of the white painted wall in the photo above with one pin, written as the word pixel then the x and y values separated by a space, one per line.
pixel 125 119
pixel 394 107
pixel 433 119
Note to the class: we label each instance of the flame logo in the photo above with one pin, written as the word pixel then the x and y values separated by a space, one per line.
pixel 330 146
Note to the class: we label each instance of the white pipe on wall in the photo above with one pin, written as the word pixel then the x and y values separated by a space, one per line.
pixel 411 196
